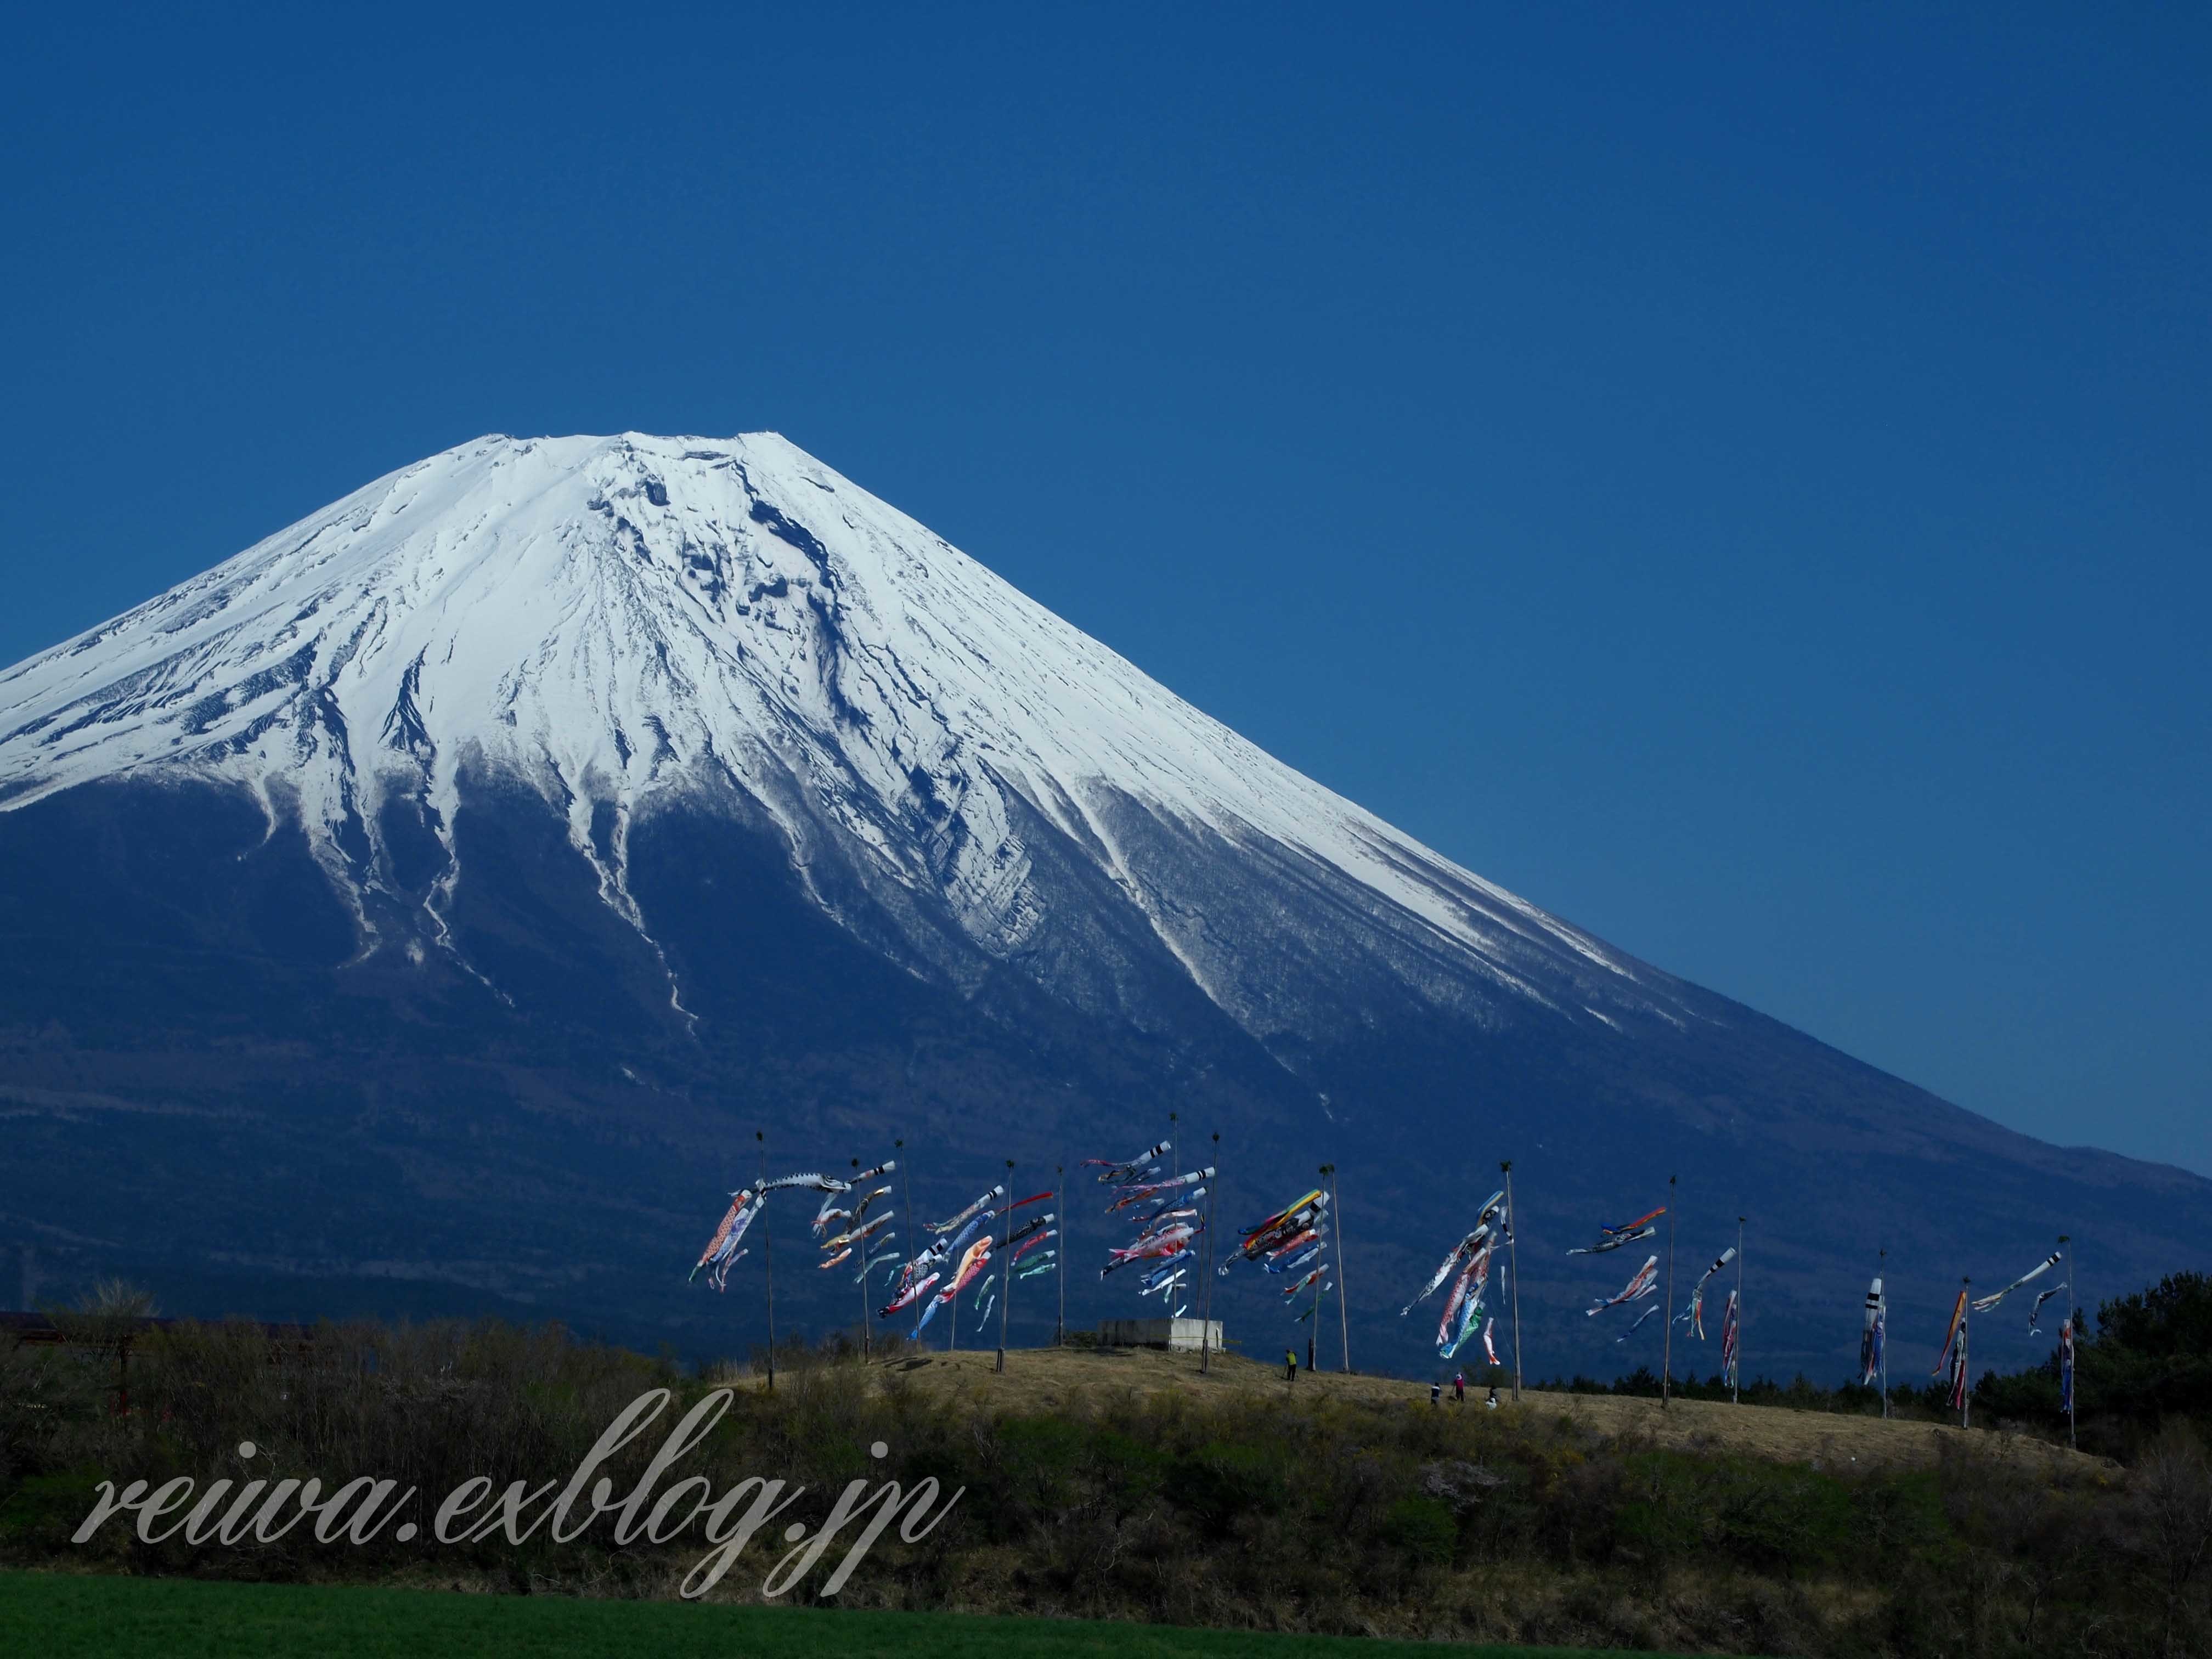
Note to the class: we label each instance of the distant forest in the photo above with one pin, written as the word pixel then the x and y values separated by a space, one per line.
pixel 2149 1361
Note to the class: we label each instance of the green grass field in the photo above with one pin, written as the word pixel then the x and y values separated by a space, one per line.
pixel 59 1616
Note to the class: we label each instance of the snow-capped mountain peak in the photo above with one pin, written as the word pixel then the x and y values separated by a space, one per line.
pixel 620 624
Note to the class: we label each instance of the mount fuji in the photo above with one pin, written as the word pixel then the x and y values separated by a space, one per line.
pixel 422 910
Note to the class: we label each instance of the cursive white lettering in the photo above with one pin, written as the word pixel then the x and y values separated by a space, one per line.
pixel 697 1424
pixel 731 1542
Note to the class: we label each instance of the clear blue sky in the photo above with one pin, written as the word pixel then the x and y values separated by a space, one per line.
pixel 1742 483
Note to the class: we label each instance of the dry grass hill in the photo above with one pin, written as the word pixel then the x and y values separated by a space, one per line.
pixel 1043 1379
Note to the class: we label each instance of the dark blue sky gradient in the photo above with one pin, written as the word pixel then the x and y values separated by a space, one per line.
pixel 1742 483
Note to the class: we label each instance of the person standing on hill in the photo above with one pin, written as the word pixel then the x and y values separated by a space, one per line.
pixel 1290 1365
pixel 1459 1387
pixel 1435 1393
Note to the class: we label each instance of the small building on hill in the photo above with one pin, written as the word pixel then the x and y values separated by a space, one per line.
pixel 1177 1335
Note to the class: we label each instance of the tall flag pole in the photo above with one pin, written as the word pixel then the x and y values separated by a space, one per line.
pixel 1206 1282
pixel 1059 1320
pixel 868 1327
pixel 1882 1333
pixel 1667 1347
pixel 2066 1344
pixel 1007 1250
pixel 1870 1334
pixel 2066 1375
pixel 1167 1303
pixel 906 1189
pixel 1513 1260
pixel 1965 1400
pixel 768 1257
pixel 1885 1352
pixel 1733 1399
pixel 1313 1331
pixel 1955 1351
pixel 1731 1330
pixel 1343 1317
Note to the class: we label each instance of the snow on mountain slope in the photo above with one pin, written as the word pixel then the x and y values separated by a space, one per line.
pixel 621 623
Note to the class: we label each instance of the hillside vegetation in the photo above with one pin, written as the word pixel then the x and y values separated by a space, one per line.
pixel 1133 1490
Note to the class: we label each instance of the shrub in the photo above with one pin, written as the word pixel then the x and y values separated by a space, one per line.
pixel 1223 1480
pixel 1423 1527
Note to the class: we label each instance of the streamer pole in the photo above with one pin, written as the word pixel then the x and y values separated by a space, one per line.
pixel 867 1325
pixel 1343 1314
pixel 767 1258
pixel 1513 1260
pixel 1881 1263
pixel 906 1194
pixel 1736 1375
pixel 1966 1374
pixel 2066 1244
pixel 1005 1269
pixel 1205 1284
pixel 1667 1347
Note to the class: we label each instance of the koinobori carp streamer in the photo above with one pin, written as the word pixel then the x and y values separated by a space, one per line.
pixel 967 1214
pixel 1629 1232
pixel 1464 1306
pixel 1871 1334
pixel 1166 1242
pixel 1644 1283
pixel 722 1253
pixel 1489 1217
pixel 1693 1314
pixel 1984 1303
pixel 1112 1173
pixel 1141 1191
